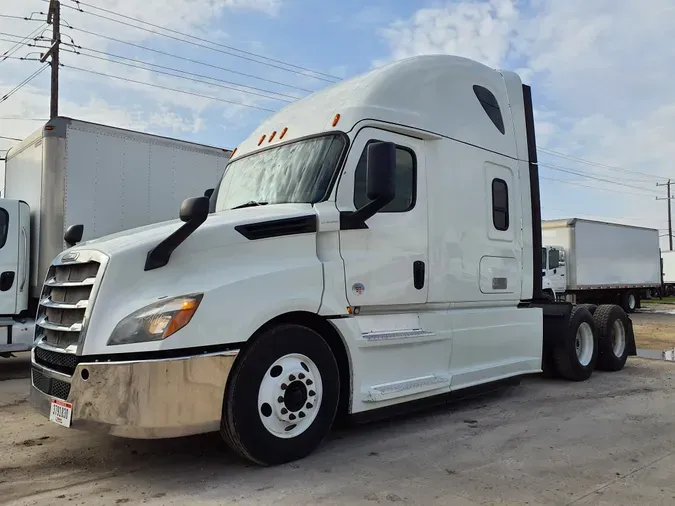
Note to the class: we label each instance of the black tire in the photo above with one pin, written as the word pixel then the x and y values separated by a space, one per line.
pixel 565 354
pixel 605 317
pixel 630 301
pixel 591 307
pixel 241 424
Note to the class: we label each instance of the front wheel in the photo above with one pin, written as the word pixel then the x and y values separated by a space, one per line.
pixel 576 355
pixel 282 396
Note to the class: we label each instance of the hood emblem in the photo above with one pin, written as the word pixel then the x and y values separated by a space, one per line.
pixel 70 257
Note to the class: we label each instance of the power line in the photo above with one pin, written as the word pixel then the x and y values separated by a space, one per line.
pixel 10 138
pixel 581 174
pixel 109 76
pixel 78 2
pixel 16 118
pixel 596 187
pixel 23 83
pixel 23 18
pixel 19 44
pixel 232 87
pixel 155 32
pixel 596 164
pixel 191 60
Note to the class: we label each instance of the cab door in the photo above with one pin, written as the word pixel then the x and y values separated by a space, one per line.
pixel 386 263
pixel 12 271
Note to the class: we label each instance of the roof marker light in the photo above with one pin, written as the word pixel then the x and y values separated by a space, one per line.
pixel 272 136
pixel 336 119
pixel 283 132
pixel 261 139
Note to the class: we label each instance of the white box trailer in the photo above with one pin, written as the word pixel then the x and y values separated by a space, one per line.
pixel 668 270
pixel 72 172
pixel 598 262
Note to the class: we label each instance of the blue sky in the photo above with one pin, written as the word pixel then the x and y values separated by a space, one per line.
pixel 602 89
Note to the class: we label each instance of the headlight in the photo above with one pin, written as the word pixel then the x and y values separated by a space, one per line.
pixel 156 321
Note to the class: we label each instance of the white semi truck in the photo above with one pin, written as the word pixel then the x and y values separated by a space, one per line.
pixel 105 179
pixel 371 247
pixel 596 262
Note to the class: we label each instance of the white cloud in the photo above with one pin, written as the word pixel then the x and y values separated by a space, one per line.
pixel 602 87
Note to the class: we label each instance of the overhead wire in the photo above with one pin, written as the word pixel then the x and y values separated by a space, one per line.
pixel 10 138
pixel 227 84
pixel 597 164
pixel 190 60
pixel 588 176
pixel 23 83
pixel 19 44
pixel 601 188
pixel 184 34
pixel 197 44
pixel 217 99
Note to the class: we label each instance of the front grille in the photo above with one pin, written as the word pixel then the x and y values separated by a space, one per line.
pixel 50 386
pixel 61 362
pixel 64 300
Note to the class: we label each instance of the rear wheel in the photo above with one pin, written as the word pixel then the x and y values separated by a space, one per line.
pixel 576 356
pixel 282 396
pixel 591 307
pixel 614 335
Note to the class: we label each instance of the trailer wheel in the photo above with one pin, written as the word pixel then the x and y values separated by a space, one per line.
pixel 282 396
pixel 575 357
pixel 614 336
pixel 630 301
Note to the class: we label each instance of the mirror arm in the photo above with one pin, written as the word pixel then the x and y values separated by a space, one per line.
pixel 351 220
pixel 159 255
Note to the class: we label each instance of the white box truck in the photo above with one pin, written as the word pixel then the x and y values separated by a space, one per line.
pixel 371 247
pixel 106 179
pixel 596 262
pixel 668 270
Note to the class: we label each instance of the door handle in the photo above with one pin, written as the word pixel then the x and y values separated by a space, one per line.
pixel 418 274
pixel 6 280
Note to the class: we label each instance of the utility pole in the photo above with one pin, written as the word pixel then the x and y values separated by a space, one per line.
pixel 54 18
pixel 670 218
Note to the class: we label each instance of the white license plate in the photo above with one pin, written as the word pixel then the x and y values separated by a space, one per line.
pixel 61 412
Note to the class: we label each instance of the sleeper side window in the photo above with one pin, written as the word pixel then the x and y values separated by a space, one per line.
pixel 406 184
pixel 490 106
pixel 500 204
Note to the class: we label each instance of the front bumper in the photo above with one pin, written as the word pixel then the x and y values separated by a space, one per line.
pixel 143 399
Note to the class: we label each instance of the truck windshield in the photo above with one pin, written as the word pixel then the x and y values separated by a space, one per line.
pixel 296 172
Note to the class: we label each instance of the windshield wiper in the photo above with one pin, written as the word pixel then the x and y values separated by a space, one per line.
pixel 250 203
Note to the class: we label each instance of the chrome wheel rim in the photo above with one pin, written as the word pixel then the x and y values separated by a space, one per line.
pixel 618 338
pixel 290 396
pixel 583 343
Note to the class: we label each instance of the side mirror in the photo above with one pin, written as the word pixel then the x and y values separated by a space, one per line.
pixel 194 209
pixel 73 234
pixel 380 184
pixel 208 193
pixel 381 171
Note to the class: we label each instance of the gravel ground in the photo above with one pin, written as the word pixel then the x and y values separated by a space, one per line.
pixel 607 441
pixel 654 326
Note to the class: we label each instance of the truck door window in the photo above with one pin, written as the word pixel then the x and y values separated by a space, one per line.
pixel 406 184
pixel 500 204
pixel 554 259
pixel 4 226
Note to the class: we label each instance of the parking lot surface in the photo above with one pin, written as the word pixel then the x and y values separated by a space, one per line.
pixel 610 440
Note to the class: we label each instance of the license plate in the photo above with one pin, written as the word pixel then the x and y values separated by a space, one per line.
pixel 61 412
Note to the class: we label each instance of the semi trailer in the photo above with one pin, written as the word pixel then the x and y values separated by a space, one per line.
pixel 372 247
pixel 596 262
pixel 99 178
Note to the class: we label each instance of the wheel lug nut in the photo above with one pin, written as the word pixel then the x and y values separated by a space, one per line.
pixel 309 405
pixel 291 417
pixel 280 399
pixel 284 411
pixel 312 393
pixel 291 377
pixel 301 414
pixel 309 382
pixel 283 386
pixel 301 376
